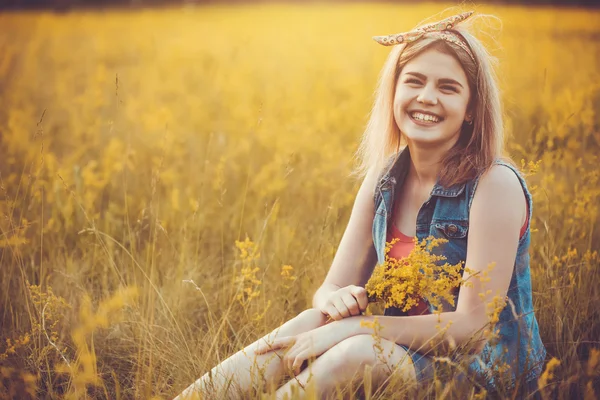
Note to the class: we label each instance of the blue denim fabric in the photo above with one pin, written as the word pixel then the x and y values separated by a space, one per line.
pixel 446 215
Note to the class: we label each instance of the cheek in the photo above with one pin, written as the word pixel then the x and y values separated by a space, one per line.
pixel 401 96
pixel 400 105
pixel 457 109
pixel 462 104
pixel 399 114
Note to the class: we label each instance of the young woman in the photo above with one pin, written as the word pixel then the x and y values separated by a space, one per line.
pixel 432 161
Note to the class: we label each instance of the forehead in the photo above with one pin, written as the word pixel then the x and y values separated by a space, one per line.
pixel 436 65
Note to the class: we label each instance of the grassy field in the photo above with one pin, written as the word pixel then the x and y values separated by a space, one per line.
pixel 143 149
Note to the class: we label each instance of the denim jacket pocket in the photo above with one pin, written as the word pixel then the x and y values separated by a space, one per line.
pixel 452 229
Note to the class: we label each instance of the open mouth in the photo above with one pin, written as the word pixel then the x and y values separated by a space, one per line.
pixel 424 119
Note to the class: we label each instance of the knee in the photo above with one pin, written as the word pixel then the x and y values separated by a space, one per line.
pixel 357 351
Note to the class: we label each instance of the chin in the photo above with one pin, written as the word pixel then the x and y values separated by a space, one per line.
pixel 428 136
pixel 428 142
pixel 424 136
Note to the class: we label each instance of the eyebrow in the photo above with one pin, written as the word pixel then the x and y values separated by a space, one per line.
pixel 441 80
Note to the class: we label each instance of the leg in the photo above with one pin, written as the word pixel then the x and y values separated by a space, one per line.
pixel 244 367
pixel 350 360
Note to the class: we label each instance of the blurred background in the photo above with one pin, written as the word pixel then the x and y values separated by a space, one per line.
pixel 175 180
pixel 68 4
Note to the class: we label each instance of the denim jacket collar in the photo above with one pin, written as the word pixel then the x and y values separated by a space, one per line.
pixel 396 175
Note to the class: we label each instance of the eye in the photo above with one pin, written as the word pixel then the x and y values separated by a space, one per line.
pixel 445 87
pixel 452 88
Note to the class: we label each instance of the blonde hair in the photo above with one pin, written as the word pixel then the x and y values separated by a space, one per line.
pixel 479 144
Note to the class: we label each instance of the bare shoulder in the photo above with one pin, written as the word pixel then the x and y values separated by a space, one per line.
pixel 500 179
pixel 500 189
pixel 371 179
pixel 366 192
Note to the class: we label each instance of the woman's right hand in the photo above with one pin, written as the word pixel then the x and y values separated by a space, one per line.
pixel 345 302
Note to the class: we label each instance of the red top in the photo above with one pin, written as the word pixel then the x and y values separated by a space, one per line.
pixel 404 246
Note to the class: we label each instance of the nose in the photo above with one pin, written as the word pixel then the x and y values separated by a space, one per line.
pixel 427 96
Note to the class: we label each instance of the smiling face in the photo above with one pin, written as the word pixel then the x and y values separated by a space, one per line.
pixel 432 86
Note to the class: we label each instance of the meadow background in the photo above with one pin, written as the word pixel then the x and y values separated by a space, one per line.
pixel 141 150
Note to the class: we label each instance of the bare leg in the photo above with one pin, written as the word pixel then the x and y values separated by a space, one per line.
pixel 242 369
pixel 348 361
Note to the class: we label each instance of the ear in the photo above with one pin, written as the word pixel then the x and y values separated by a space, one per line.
pixel 469 114
pixel 470 111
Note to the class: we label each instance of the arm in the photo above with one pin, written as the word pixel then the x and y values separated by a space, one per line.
pixel 355 258
pixel 497 214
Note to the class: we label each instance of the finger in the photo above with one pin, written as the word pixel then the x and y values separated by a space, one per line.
pixel 276 344
pixel 293 355
pixel 351 303
pixel 291 364
pixel 298 361
pixel 333 312
pixel 304 365
pixel 288 360
pixel 341 307
pixel 266 347
pixel 262 349
pixel 323 310
pixel 360 294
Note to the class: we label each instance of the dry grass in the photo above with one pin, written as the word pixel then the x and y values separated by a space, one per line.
pixel 137 147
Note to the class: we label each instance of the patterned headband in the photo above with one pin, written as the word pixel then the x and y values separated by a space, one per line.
pixel 441 29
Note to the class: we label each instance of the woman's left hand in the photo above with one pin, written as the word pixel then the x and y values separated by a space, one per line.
pixel 302 347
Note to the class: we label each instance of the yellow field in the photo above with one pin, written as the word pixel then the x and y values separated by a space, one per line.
pixel 138 146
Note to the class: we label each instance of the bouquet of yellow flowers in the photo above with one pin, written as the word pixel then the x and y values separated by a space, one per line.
pixel 402 283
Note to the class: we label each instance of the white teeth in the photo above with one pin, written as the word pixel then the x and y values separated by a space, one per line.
pixel 425 117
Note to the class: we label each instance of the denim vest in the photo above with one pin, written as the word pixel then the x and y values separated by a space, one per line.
pixel 446 215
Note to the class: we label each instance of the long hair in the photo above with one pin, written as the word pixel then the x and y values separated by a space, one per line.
pixel 479 144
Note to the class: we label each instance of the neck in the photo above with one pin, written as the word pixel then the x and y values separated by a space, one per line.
pixel 426 163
